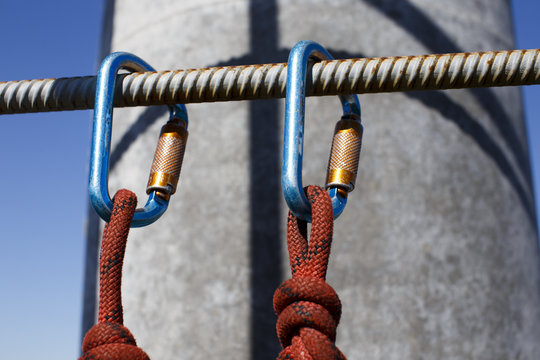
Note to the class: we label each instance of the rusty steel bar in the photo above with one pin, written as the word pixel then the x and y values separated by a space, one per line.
pixel 233 83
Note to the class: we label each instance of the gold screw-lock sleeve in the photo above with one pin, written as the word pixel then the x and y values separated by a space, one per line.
pixel 168 158
pixel 345 153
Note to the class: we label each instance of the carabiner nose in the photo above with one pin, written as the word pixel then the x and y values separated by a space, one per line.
pixel 101 140
pixel 341 175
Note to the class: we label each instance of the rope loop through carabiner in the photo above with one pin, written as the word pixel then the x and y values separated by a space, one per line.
pixel 109 339
pixel 169 154
pixel 343 163
pixel 308 308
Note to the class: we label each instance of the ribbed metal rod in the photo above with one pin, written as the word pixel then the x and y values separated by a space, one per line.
pixel 233 83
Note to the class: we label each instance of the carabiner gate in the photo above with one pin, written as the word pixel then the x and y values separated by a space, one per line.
pixel 167 160
pixel 343 163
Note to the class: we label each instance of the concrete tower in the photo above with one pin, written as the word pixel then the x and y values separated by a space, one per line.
pixel 436 254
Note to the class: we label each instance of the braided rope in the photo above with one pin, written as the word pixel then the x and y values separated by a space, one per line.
pixel 367 75
pixel 308 308
pixel 109 339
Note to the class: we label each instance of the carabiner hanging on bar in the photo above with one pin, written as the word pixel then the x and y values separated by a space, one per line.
pixel 169 154
pixel 345 153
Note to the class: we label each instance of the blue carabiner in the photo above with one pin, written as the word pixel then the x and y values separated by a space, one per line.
pixel 293 143
pixel 101 140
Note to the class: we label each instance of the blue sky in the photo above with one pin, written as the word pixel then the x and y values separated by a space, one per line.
pixel 44 161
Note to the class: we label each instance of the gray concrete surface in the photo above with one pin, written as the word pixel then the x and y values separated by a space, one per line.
pixel 436 255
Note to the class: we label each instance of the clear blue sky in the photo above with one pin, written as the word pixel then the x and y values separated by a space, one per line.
pixel 44 162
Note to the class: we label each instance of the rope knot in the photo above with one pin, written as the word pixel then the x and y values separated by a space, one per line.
pixel 306 302
pixel 111 341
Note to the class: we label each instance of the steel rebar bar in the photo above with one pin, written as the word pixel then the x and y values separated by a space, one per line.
pixel 233 83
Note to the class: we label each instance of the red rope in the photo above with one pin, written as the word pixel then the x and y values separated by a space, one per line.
pixel 308 308
pixel 109 339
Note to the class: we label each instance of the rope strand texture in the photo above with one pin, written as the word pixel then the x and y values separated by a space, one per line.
pixel 109 339
pixel 233 83
pixel 308 308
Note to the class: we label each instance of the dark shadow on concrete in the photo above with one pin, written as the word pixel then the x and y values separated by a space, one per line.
pixel 413 20
pixel 266 240
pixel 458 115
pixel 265 189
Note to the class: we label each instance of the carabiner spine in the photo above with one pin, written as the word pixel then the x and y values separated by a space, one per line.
pixel 101 136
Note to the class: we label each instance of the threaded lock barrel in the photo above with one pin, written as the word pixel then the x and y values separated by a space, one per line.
pixel 168 158
pixel 345 153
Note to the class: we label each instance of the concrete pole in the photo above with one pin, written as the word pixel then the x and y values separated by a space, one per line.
pixel 436 255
